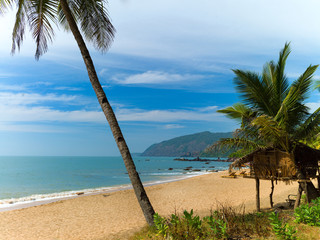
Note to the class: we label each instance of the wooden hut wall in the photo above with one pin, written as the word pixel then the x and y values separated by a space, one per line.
pixel 307 161
pixel 272 164
pixel 286 167
pixel 265 164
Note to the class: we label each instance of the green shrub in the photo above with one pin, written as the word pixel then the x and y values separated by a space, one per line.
pixel 160 224
pixel 217 226
pixel 222 224
pixel 308 213
pixel 283 231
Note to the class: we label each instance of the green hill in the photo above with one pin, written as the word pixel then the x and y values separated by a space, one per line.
pixel 186 146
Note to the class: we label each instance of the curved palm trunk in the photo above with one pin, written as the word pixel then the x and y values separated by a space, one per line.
pixel 141 195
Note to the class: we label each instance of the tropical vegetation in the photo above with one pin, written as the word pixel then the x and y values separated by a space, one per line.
pixel 273 112
pixel 233 223
pixel 91 17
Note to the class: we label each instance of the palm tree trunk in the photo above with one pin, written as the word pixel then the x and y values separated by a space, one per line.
pixel 141 195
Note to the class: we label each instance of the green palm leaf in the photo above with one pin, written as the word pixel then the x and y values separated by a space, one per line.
pixel 4 5
pixel 310 129
pixel 19 26
pixel 40 13
pixel 281 82
pixel 292 106
pixel 226 144
pixel 271 132
pixel 92 16
pixel 253 90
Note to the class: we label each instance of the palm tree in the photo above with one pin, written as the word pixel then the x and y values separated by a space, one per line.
pixel 91 16
pixel 273 112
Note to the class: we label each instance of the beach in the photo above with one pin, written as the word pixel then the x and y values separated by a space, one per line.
pixel 117 215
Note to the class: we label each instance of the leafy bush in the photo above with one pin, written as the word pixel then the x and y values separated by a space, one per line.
pixel 222 224
pixel 283 231
pixel 217 226
pixel 309 213
pixel 160 224
pixel 190 227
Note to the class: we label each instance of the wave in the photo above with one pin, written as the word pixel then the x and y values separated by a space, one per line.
pixel 38 199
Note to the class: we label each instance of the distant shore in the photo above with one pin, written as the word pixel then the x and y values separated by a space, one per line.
pixel 117 215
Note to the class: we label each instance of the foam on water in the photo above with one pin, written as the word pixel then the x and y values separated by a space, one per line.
pixel 31 180
pixel 38 199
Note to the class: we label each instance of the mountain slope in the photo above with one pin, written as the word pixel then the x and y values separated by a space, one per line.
pixel 188 145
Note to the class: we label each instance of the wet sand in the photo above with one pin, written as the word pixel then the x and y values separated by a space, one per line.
pixel 117 215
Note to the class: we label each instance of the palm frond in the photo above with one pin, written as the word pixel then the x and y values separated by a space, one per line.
pixel 310 129
pixel 19 26
pixel 240 112
pixel 254 91
pixel 292 105
pixel 226 144
pixel 95 23
pixel 271 132
pixel 281 82
pixel 317 85
pixel 304 82
pixel 40 15
pixel 4 5
pixel 74 8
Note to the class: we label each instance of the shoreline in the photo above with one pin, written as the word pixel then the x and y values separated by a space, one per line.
pixel 41 199
pixel 117 215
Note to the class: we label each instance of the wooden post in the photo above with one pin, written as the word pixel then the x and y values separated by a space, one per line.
pixel 271 194
pixel 297 202
pixel 306 191
pixel 258 194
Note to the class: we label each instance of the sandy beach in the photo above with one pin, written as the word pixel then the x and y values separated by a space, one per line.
pixel 117 215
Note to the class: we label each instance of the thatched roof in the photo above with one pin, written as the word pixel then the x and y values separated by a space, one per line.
pixel 274 163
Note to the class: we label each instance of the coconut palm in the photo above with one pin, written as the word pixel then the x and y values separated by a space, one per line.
pixel 92 18
pixel 273 111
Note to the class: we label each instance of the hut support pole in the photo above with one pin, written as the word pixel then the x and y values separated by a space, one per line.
pixel 258 194
pixel 306 191
pixel 297 202
pixel 271 194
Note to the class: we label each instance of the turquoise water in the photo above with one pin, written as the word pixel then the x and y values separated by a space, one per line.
pixel 25 176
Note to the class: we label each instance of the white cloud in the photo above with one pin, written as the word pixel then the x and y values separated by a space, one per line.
pixel 6 74
pixel 34 128
pixel 31 107
pixel 185 28
pixel 4 87
pixel 68 89
pixel 209 108
pixel 9 99
pixel 19 109
pixel 168 115
pixel 172 126
pixel 156 77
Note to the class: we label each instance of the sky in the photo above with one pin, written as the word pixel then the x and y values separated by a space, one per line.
pixel 166 74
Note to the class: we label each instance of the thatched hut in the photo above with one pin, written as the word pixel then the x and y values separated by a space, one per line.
pixel 274 164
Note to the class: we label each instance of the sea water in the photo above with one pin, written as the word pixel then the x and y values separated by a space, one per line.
pixel 33 178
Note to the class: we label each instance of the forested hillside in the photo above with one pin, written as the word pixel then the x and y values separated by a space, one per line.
pixel 186 146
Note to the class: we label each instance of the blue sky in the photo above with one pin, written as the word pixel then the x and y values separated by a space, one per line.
pixel 166 74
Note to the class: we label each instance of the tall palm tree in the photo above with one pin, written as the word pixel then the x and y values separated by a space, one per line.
pixel 273 112
pixel 92 18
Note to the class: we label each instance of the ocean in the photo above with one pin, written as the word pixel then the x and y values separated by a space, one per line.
pixel 27 179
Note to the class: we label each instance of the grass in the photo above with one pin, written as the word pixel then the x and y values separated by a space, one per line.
pixel 233 223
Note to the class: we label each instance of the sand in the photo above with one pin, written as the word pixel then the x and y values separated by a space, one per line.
pixel 117 215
